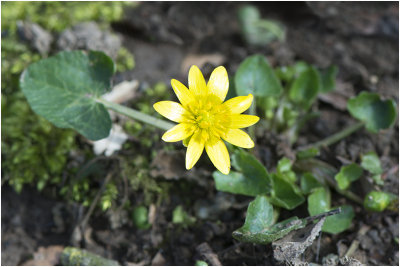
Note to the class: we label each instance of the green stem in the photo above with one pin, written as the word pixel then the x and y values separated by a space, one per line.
pixel 335 137
pixel 137 115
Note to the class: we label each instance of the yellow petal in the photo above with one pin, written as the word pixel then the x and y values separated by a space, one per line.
pixel 171 110
pixel 178 132
pixel 183 94
pixel 197 84
pixel 239 138
pixel 218 154
pixel 194 150
pixel 242 121
pixel 239 104
pixel 219 83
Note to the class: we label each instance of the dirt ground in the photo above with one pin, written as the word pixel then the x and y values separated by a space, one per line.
pixel 361 38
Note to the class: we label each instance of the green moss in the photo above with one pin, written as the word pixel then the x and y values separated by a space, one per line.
pixel 136 170
pixel 33 151
pixel 56 16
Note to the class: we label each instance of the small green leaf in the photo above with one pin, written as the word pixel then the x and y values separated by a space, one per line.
pixel 255 76
pixel 259 224
pixel 179 216
pixel 347 175
pixel 201 263
pixel 328 79
pixel 369 108
pixel 378 201
pixel 340 222
pixel 64 90
pixel 285 194
pixel 260 215
pixel 139 217
pixel 299 67
pixel 308 183
pixel 370 162
pixel 257 31
pixel 305 88
pixel 319 201
pixel 307 153
pixel 377 178
pixel 284 165
pixel 237 183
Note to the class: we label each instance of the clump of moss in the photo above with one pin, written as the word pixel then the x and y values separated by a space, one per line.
pixel 56 16
pixel 33 151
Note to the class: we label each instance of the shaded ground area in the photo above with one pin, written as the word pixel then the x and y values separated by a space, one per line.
pixel 166 38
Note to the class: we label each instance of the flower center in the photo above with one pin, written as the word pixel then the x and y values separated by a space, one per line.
pixel 205 119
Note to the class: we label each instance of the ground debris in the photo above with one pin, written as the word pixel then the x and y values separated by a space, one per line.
pixel 206 252
pixel 75 256
pixel 289 248
pixel 46 256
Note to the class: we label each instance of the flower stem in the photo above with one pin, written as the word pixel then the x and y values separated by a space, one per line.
pixel 335 137
pixel 137 115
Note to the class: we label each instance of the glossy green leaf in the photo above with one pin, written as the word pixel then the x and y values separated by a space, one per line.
pixel 305 88
pixel 237 183
pixel 260 215
pixel 252 178
pixel 255 76
pixel 285 194
pixel 308 183
pixel 319 201
pixel 64 89
pixel 378 201
pixel 340 222
pixel 370 162
pixel 259 225
pixel 376 113
pixel 328 79
pixel 347 175
pixel 249 165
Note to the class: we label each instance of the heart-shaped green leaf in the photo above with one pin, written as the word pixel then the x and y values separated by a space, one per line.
pixel 369 108
pixel 328 79
pixel 64 89
pixel 285 194
pixel 255 76
pixel 305 88
pixel 259 225
pixel 347 175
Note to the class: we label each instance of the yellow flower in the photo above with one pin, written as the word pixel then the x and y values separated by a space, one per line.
pixel 204 119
